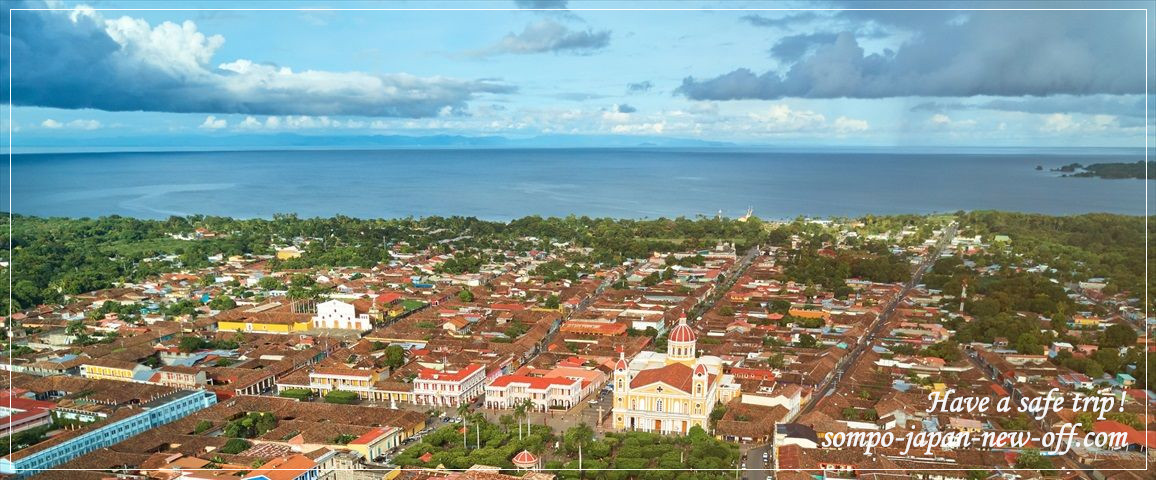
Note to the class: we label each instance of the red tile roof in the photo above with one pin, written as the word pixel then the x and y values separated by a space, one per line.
pixel 450 376
pixel 525 458
pixel 371 436
pixel 387 298
pixel 1136 437
pixel 539 383
pixel 676 375
pixel 287 468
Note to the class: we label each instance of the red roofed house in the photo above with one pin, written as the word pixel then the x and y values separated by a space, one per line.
pixel 387 298
pixel 509 390
pixel 607 329
pixel 449 388
pixel 376 442
pixel 23 413
pixel 294 467
pixel 1135 440
pixel 513 307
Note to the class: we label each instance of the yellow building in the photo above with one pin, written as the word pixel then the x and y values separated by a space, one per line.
pixel 263 326
pixel 377 442
pixel 1081 321
pixel 670 393
pixel 798 312
pixel 271 317
pixel 109 369
pixel 288 252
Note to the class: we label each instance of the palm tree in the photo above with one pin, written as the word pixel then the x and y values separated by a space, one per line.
pixel 582 434
pixel 463 412
pixel 478 420
pixel 529 407
pixel 519 412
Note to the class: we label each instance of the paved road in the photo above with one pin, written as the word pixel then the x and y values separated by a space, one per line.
pixel 732 275
pixel 877 325
pixel 754 468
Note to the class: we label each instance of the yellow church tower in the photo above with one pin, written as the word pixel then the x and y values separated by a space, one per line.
pixel 621 381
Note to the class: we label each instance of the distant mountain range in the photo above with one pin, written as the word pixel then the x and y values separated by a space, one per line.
pixel 279 140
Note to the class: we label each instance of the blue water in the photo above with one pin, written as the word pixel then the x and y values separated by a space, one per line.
pixel 504 184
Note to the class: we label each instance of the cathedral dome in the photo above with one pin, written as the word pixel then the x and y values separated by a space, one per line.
pixel 682 333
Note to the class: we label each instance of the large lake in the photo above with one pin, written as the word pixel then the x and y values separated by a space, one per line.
pixel 503 184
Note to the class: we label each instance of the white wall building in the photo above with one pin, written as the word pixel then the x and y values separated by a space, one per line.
pixel 343 316
pixel 508 391
pixel 449 388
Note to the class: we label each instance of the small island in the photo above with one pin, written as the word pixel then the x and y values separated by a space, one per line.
pixel 1103 170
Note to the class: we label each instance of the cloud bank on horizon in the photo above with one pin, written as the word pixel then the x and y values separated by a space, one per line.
pixel 1012 53
pixel 549 67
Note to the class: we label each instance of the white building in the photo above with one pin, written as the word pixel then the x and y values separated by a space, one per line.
pixel 449 388
pixel 343 316
pixel 508 391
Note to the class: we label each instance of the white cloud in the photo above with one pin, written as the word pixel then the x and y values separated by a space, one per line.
pixel 78 124
pixel 943 121
pixel 1057 122
pixel 175 49
pixel 84 124
pixel 304 121
pixel 615 116
pixel 213 123
pixel 299 122
pixel 848 125
pixel 249 123
pixel 1103 122
pixel 1065 123
pixel 782 118
pixel 656 127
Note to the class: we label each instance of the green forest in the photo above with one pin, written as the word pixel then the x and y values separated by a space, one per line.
pixel 1079 247
pixel 54 257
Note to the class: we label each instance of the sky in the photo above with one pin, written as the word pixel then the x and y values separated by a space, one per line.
pixel 762 74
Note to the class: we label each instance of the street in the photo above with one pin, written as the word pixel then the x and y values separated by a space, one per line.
pixel 754 467
pixel 832 380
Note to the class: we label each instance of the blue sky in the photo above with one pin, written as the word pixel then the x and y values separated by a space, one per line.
pixel 823 78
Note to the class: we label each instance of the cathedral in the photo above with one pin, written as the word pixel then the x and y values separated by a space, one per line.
pixel 671 392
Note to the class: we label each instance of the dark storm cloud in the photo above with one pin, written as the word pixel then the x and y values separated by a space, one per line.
pixel 794 47
pixel 640 87
pixel 76 62
pixel 1035 53
pixel 624 108
pixel 548 36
